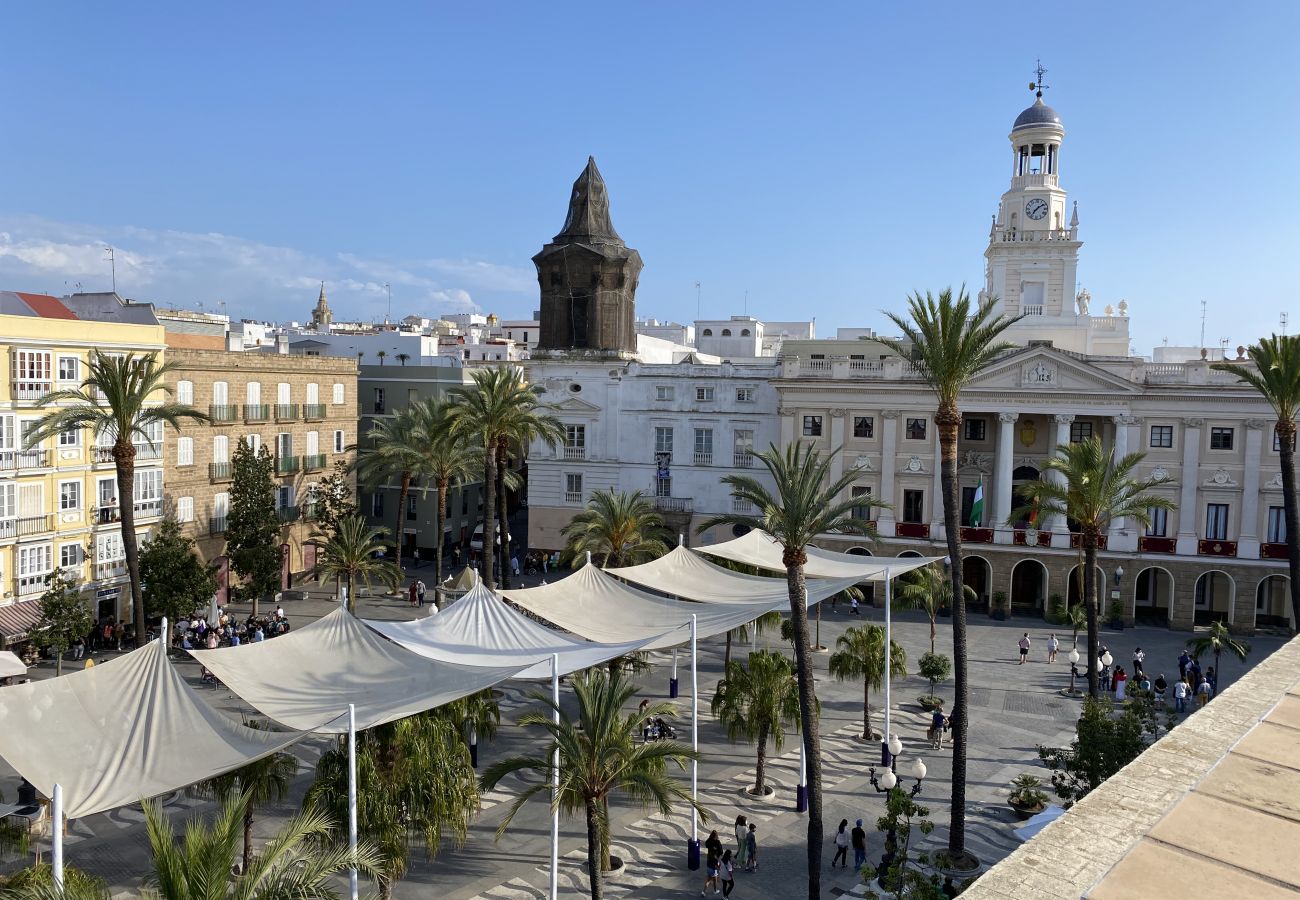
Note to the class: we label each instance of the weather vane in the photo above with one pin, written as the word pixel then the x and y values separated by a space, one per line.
pixel 1037 84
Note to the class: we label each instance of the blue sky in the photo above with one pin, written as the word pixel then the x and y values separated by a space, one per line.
pixel 826 159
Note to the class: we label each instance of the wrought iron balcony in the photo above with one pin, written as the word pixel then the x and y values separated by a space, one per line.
pixel 313 412
pixel 223 413
pixel 286 465
pixel 286 412
pixel 313 462
pixel 256 412
pixel 220 471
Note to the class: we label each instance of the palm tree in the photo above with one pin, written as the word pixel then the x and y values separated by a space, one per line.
pixel 382 354
pixel 929 589
pixel 352 552
pixel 765 622
pixel 618 528
pixel 806 503
pixel 949 343
pixel 262 781
pixel 1215 641
pixel 1076 618
pixel 1276 377
pixel 599 755
pixel 1093 489
pixel 499 408
pixel 299 863
pixel 475 716
pixel 36 882
pixel 403 357
pixel 121 398
pixel 395 452
pixel 444 458
pixel 758 700
pixel 415 786
pixel 860 653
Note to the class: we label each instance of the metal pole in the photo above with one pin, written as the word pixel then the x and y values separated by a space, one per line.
pixel 56 837
pixel 693 848
pixel 801 792
pixel 672 682
pixel 555 783
pixel 352 799
pixel 884 742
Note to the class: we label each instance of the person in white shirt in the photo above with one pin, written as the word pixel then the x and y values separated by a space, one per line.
pixel 279 612
pixel 1180 696
pixel 1138 658
pixel 1052 646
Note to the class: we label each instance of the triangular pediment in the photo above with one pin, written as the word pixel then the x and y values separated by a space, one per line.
pixel 575 405
pixel 1047 370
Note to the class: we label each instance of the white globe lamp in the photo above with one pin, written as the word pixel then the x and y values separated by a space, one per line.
pixel 895 745
pixel 888 780
pixel 918 769
pixel 1074 656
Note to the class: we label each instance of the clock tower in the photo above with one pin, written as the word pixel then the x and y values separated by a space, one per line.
pixel 1033 252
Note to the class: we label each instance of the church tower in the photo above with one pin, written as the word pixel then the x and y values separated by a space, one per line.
pixel 588 278
pixel 1033 250
pixel 321 316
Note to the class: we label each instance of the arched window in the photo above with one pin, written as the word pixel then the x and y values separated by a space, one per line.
pixel 744 332
pixel 708 332
pixel 726 332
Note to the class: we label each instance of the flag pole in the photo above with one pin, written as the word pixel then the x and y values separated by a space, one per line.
pixel 555 783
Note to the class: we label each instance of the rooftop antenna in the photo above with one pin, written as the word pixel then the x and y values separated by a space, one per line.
pixel 697 300
pixel 388 315
pixel 1282 319
pixel 746 301
pixel 1202 324
pixel 1037 85
pixel 112 261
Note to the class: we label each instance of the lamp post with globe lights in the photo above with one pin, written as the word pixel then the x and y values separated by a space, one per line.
pixel 1074 672
pixel 887 780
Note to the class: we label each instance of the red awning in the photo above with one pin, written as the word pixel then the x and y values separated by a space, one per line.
pixel 17 619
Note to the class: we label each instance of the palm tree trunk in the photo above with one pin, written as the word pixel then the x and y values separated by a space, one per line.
pixel 1286 433
pixel 503 524
pixel 489 515
pixel 385 886
pixel 248 837
pixel 124 458
pixel 760 771
pixel 808 719
pixel 58 662
pixel 401 511
pixel 605 864
pixel 866 708
pixel 931 634
pixel 438 544
pixel 352 595
pixel 817 641
pixel 593 849
pixel 948 421
pixel 726 656
pixel 1090 605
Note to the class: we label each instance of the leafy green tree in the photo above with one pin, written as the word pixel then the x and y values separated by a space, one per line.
pixel 299 863
pixel 65 615
pixel 121 399
pixel 263 781
pixel 1216 641
pixel 36 882
pixel 392 453
pixel 252 525
pixel 929 589
pixel 176 581
pixel 353 553
pixel 950 343
pixel 500 407
pixel 806 503
pixel 1276 376
pixel 1104 744
pixel 599 755
pixel 415 787
pixel 333 497
pixel 758 701
pixel 860 653
pixel 905 875
pixel 446 458
pixel 1094 489
pixel 618 528
pixel 934 668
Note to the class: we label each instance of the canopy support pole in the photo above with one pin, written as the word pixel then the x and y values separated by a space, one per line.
pixel 555 783
pixel 753 637
pixel 672 682
pixel 56 837
pixel 801 791
pixel 884 739
pixel 352 799
pixel 693 847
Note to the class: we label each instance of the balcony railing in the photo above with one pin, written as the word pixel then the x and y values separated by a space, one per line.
pixel 1076 541
pixel 702 459
pixel 1216 548
pixel 313 462
pixel 223 413
pixel 101 455
pixel 32 584
pixel 31 390
pixel 24 459
pixel 972 535
pixel 1272 551
pixel 222 471
pixel 675 504
pixel 741 507
pixel 573 496
pixel 151 507
pixel 1148 544
pixel 35 525
pixel 107 514
pixel 148 451
pixel 312 512
pixel 111 569
pixel 8 527
pixel 287 513
pixel 575 452
pixel 256 412
pixel 216 524
pixel 912 530
pixel 286 465
pixel 743 459
pixel 286 412
pixel 313 411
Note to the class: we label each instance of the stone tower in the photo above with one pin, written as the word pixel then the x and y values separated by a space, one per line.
pixel 588 279
pixel 321 316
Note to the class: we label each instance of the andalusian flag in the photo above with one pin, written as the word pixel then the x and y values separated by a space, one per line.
pixel 977 506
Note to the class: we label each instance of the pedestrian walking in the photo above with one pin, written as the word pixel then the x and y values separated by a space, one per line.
pixel 416 555
pixel 727 873
pixel 751 849
pixel 1180 696
pixel 1160 687
pixel 842 845
pixel 936 729
pixel 858 838
pixel 1121 683
pixel 1052 646
pixel 1138 658
pixel 1184 660
pixel 712 859
pixel 1213 678
pixel 411 593
pixel 420 590
pixel 1024 649
pixel 1202 693
pixel 741 830
pixel 853 606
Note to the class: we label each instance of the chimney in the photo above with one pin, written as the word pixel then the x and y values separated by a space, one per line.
pixel 234 342
pixel 282 344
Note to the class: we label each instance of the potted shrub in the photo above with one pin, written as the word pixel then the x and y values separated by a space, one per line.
pixel 1025 797
pixel 1117 615
pixel 934 667
pixel 1000 606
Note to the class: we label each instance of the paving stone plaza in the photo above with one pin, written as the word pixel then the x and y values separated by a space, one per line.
pixel 1013 708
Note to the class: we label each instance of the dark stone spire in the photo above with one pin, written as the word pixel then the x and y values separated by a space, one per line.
pixel 588 221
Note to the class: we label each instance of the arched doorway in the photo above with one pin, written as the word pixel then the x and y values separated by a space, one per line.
pixel 1153 596
pixel 858 551
pixel 868 588
pixel 1028 585
pixel 1213 597
pixel 1273 602
pixel 977 574
pixel 908 554
pixel 1074 590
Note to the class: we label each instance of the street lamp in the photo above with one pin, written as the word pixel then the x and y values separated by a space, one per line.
pixel 888 780
pixel 1119 573
pixel 1107 659
pixel 1074 667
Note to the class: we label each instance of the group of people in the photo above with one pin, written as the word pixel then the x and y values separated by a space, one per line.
pixel 199 634
pixel 720 863
pixel 857 838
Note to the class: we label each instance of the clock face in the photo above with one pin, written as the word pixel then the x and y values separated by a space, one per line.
pixel 1036 208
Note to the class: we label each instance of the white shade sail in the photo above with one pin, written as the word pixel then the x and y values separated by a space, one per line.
pixel 760 550
pixel 125 730
pixel 305 679
pixel 480 629
pixel 11 665
pixel 599 607
pixel 685 574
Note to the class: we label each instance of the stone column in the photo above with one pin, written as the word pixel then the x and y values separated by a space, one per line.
pixel 1057 523
pixel 837 442
pixel 1248 539
pixel 1116 539
pixel 1004 465
pixel 888 465
pixel 1190 475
